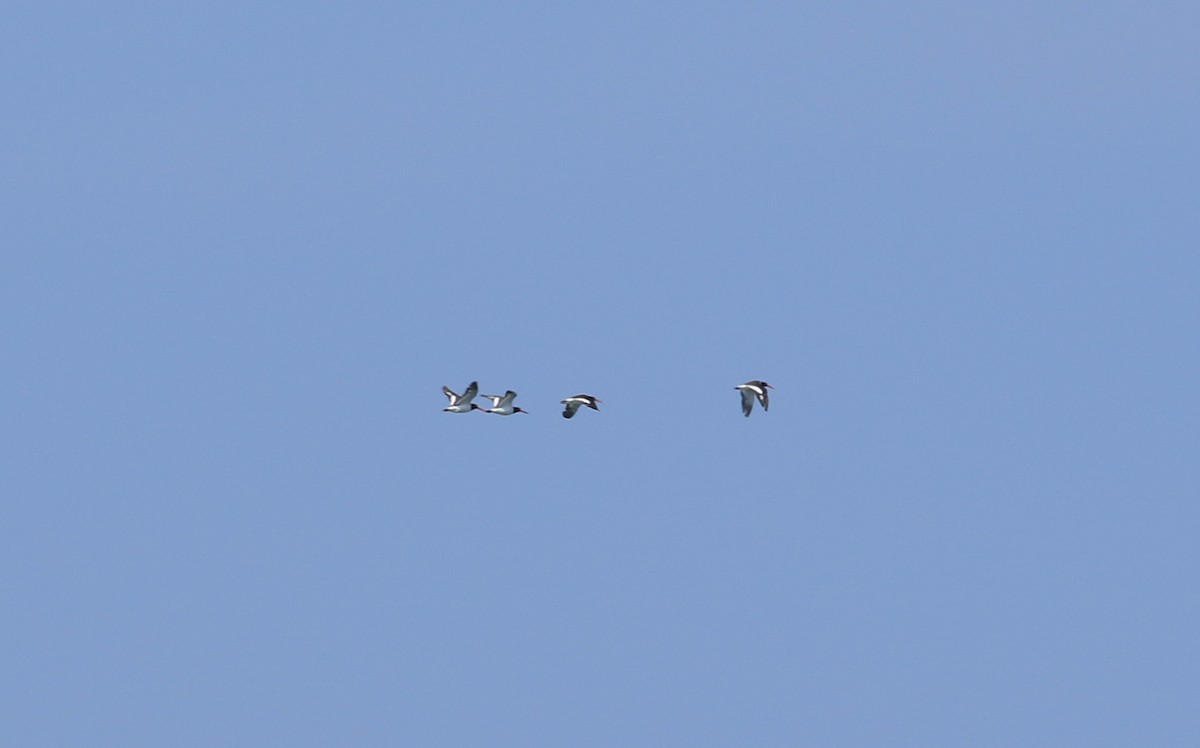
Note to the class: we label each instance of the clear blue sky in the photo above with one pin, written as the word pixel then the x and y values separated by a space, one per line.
pixel 246 245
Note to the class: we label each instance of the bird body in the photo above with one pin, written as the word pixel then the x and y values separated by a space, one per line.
pixel 755 388
pixel 575 402
pixel 462 403
pixel 502 405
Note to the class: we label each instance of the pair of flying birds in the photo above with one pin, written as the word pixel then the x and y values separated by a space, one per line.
pixel 502 405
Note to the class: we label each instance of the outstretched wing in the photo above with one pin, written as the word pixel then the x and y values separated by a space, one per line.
pixel 763 397
pixel 450 394
pixel 469 394
pixel 747 401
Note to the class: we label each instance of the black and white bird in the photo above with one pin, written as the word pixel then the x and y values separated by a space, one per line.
pixel 575 402
pixel 752 389
pixel 502 405
pixel 462 403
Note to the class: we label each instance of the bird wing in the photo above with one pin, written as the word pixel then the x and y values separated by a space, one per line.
pixel 508 398
pixel 494 398
pixel 469 394
pixel 747 401
pixel 763 397
pixel 450 394
pixel 572 406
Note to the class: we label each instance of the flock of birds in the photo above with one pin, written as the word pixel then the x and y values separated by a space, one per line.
pixel 502 405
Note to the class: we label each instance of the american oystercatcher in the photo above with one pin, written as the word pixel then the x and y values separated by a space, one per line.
pixel 577 401
pixel 502 405
pixel 462 403
pixel 750 390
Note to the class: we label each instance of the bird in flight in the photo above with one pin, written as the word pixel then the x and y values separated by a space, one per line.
pixel 502 405
pixel 462 403
pixel 576 402
pixel 755 388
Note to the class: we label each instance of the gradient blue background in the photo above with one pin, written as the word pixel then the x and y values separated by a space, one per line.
pixel 245 246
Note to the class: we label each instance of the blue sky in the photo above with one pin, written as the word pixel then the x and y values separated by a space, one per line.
pixel 247 245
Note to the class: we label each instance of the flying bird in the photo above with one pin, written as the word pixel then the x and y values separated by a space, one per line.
pixel 750 390
pixel 502 405
pixel 578 401
pixel 462 403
